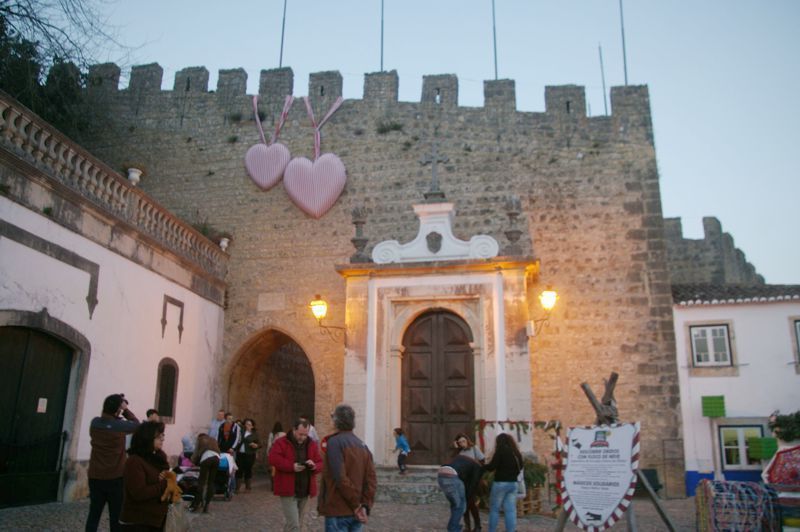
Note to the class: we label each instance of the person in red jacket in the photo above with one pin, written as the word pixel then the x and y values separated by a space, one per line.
pixel 297 461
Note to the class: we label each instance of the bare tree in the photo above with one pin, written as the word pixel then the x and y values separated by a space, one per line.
pixel 65 30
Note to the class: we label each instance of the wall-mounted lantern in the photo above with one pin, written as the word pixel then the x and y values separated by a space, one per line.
pixel 319 308
pixel 548 300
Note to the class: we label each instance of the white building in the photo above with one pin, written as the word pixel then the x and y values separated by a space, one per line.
pixel 740 343
pixel 102 291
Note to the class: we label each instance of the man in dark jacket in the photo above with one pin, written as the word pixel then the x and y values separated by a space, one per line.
pixel 107 461
pixel 348 477
pixel 458 479
pixel 230 435
pixel 297 461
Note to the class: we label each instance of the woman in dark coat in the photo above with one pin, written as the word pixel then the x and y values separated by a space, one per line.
pixel 144 483
pixel 246 455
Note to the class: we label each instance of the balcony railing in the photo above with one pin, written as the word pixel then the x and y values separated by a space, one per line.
pixel 34 140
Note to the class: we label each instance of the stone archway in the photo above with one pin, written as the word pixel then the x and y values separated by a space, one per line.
pixel 272 380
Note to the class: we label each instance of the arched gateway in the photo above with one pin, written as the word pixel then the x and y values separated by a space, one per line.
pixel 271 380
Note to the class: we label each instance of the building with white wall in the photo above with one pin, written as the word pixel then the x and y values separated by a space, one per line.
pixel 102 291
pixel 740 343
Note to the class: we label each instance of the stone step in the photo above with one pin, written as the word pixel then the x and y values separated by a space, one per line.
pixel 417 486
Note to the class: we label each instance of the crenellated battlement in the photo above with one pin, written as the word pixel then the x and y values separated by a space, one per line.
pixel 566 102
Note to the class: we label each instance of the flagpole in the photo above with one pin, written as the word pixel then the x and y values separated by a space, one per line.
pixel 624 54
pixel 381 35
pixel 283 32
pixel 603 76
pixel 494 40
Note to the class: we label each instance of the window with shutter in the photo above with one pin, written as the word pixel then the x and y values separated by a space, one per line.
pixel 167 389
pixel 710 345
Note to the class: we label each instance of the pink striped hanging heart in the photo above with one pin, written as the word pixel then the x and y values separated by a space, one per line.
pixel 315 187
pixel 266 164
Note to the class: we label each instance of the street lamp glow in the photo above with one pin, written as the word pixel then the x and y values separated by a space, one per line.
pixel 319 308
pixel 548 299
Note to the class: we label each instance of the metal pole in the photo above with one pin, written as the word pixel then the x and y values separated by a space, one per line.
pixel 624 54
pixel 283 32
pixel 494 41
pixel 603 76
pixel 381 35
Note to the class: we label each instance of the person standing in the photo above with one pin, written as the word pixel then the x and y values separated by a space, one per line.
pixel 296 460
pixel 246 454
pixel 312 431
pixel 216 423
pixel 458 480
pixel 206 455
pixel 142 507
pixel 506 462
pixel 401 446
pixel 348 477
pixel 107 460
pixel 229 435
pixel 152 415
pixel 464 446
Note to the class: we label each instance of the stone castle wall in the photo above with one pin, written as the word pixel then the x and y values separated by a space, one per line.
pixel 591 210
pixel 714 259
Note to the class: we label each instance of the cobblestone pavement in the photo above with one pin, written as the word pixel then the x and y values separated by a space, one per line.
pixel 260 510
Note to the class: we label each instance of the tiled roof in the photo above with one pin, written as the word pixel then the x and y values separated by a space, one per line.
pixel 717 294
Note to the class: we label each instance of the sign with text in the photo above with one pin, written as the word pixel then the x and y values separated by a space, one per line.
pixel 600 475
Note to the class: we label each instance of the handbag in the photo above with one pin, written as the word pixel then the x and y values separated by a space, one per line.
pixel 521 489
pixel 177 519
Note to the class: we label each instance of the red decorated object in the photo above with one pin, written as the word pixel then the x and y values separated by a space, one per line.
pixel 784 469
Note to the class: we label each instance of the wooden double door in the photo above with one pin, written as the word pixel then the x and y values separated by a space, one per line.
pixel 438 385
pixel 34 380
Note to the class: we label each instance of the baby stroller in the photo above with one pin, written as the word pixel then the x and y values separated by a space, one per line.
pixel 225 481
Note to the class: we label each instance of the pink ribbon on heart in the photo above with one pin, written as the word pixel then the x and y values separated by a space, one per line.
pixel 315 187
pixel 266 162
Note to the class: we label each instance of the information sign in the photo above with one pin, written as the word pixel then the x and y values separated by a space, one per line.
pixel 600 475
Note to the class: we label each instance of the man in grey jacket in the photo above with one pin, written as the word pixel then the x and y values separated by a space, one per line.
pixel 107 461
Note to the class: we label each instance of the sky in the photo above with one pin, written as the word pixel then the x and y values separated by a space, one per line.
pixel 723 77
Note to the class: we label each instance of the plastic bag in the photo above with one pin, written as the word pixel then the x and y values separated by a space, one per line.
pixel 177 519
pixel 521 490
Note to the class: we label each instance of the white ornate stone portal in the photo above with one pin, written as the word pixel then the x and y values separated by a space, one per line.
pixel 490 294
pixel 435 240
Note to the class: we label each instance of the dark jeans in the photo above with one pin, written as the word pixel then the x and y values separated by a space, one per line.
pixel 453 489
pixel 347 523
pixel 100 493
pixel 245 462
pixel 205 484
pixel 472 509
pixel 401 460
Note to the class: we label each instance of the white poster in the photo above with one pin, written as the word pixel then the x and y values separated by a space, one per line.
pixel 600 475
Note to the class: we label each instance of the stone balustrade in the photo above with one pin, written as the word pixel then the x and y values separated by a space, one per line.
pixel 34 140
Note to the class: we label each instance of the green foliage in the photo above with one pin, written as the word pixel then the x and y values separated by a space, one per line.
pixel 786 427
pixel 535 473
pixel 388 126
pixel 57 96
